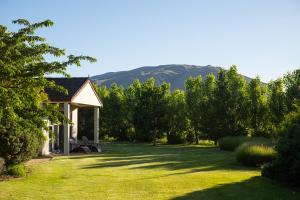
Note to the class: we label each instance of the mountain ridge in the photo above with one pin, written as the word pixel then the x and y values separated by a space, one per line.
pixel 175 74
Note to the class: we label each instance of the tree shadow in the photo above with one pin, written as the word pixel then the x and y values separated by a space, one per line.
pixel 253 188
pixel 192 159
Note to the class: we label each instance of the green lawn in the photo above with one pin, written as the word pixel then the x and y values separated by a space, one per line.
pixel 128 171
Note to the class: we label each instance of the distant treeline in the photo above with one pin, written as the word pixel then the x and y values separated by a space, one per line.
pixel 220 106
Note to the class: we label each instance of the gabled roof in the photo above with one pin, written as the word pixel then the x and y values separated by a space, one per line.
pixel 71 84
pixel 80 92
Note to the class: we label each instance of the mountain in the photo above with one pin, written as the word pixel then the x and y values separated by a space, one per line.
pixel 175 74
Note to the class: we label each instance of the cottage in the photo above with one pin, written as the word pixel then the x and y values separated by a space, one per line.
pixel 81 93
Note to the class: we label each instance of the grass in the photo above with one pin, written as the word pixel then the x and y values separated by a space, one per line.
pixel 141 171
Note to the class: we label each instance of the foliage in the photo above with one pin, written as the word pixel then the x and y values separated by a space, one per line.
pixel 115 112
pixel 19 142
pixel 177 119
pixel 22 88
pixel 253 154
pixel 18 170
pixel 257 107
pixel 229 99
pixel 149 118
pixel 86 123
pixel 286 165
pixel 276 101
pixel 210 108
pixel 195 103
pixel 292 86
pixel 230 143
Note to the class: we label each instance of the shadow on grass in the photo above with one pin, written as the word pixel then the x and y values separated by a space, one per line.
pixel 192 159
pixel 253 188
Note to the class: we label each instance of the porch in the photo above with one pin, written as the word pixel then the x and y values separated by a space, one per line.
pixel 81 95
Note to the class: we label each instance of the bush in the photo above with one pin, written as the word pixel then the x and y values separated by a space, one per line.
pixel 18 170
pixel 230 143
pixel 18 143
pixel 286 165
pixel 251 154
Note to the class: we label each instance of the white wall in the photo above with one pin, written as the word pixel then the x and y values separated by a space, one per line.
pixel 86 96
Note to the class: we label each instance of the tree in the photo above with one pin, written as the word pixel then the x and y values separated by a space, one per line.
pixel 276 101
pixel 292 90
pixel 103 112
pixel 209 111
pixel 178 123
pixel 114 112
pixel 23 102
pixel 194 101
pixel 286 165
pixel 149 118
pixel 257 108
pixel 131 102
pixel 230 111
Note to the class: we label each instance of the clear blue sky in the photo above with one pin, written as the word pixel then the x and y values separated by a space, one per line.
pixel 261 37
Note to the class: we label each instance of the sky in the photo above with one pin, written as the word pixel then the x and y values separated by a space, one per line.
pixel 260 37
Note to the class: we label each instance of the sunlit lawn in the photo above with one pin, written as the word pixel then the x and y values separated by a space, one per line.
pixel 140 171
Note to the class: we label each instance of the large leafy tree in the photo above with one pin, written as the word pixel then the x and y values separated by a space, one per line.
pixel 194 102
pixel 292 89
pixel 257 108
pixel 276 101
pixel 230 95
pixel 131 102
pixel 178 122
pixel 150 114
pixel 115 108
pixel 209 111
pixel 23 101
pixel 285 167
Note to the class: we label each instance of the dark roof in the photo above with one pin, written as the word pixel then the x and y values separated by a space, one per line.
pixel 71 84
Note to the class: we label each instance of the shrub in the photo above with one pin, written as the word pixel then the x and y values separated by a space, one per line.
pixel 230 143
pixel 251 154
pixel 18 143
pixel 286 165
pixel 18 170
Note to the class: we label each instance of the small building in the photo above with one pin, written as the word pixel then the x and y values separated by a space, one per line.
pixel 81 93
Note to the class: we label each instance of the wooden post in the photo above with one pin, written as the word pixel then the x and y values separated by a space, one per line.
pixel 96 125
pixel 74 118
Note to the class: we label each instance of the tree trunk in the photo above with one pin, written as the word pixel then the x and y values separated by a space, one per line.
pixel 197 138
